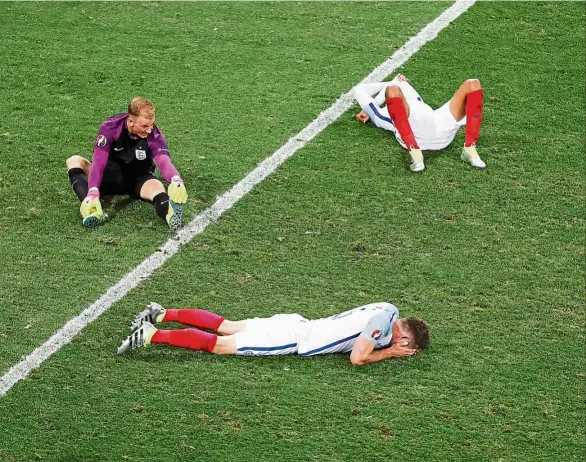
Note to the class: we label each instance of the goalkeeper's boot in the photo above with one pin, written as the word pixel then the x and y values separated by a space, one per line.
pixel 139 338
pixel 417 164
pixel 153 313
pixel 470 155
pixel 174 215
pixel 94 219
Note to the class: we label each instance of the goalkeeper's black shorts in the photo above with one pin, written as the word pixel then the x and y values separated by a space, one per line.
pixel 116 181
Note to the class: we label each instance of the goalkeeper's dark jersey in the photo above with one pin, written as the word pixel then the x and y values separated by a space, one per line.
pixel 135 156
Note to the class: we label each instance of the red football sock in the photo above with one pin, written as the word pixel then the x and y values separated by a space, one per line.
pixel 201 319
pixel 473 116
pixel 398 113
pixel 192 339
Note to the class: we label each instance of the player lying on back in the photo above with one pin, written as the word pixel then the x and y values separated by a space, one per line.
pixel 127 148
pixel 398 108
pixel 370 333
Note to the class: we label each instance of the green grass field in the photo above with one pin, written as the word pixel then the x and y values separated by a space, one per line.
pixel 493 259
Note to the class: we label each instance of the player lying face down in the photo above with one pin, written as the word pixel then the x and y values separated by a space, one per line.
pixel 370 333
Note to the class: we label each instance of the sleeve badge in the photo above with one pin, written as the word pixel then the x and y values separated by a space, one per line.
pixel 376 334
pixel 101 140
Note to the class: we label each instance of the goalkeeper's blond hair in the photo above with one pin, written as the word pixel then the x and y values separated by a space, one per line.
pixel 141 106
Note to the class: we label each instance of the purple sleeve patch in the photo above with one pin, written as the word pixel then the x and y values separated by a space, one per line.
pixel 110 130
pixel 158 143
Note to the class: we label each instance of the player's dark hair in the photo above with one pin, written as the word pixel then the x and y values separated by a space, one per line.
pixel 419 329
pixel 140 105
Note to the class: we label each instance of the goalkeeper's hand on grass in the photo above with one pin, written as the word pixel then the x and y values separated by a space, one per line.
pixel 91 204
pixel 176 191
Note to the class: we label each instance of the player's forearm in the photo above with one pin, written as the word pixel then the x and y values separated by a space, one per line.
pixel 166 167
pixel 372 89
pixel 99 162
pixel 374 357
pixel 381 97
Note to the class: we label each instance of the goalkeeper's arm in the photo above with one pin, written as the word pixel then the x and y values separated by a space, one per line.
pixel 176 190
pixel 91 204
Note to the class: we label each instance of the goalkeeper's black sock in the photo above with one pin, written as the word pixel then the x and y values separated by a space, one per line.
pixel 78 181
pixel 161 202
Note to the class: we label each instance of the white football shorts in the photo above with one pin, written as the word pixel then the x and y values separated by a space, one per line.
pixel 433 130
pixel 277 335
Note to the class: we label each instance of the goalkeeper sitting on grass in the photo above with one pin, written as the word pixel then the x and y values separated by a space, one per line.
pixel 126 150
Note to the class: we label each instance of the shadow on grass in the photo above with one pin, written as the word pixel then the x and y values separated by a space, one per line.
pixel 115 204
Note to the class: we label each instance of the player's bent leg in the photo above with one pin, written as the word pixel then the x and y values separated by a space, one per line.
pixel 77 161
pixel 458 101
pixel 399 111
pixel 154 191
pixel 467 102
pixel 78 169
pixel 150 189
pixel 474 102
pixel 394 91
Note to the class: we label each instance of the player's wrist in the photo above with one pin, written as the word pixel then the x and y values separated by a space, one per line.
pixel 177 179
pixel 391 352
pixel 93 193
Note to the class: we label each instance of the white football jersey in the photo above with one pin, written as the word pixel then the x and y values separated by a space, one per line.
pixel 338 333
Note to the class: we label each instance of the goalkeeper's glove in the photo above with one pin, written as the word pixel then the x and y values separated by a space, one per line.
pixel 91 204
pixel 177 192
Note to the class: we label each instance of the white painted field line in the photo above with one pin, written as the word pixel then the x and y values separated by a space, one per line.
pixel 223 203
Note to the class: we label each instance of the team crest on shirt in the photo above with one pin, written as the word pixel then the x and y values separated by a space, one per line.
pixel 140 154
pixel 101 140
pixel 376 334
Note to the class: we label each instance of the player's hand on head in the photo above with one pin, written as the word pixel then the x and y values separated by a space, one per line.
pixel 403 350
pixel 402 78
pixel 176 191
pixel 91 204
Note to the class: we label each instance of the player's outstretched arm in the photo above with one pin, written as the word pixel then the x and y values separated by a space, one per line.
pixel 176 190
pixel 91 207
pixel 364 352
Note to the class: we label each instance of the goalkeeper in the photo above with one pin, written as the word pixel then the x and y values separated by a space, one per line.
pixel 127 148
